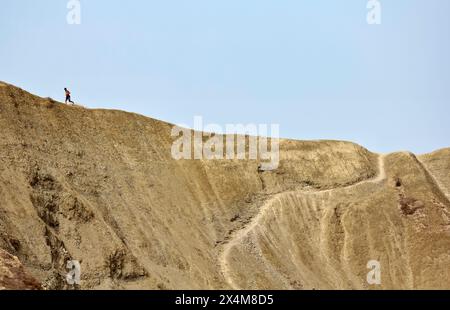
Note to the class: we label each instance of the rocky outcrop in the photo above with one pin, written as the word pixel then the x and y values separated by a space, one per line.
pixel 13 275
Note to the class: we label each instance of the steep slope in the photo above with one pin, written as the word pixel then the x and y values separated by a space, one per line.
pixel 438 166
pixel 101 187
pixel 324 239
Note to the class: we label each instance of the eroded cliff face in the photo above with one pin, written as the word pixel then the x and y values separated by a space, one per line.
pixel 101 187
pixel 13 275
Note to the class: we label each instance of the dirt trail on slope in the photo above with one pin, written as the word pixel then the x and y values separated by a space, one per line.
pixel 239 235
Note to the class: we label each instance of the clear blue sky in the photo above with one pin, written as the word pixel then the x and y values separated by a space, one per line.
pixel 313 66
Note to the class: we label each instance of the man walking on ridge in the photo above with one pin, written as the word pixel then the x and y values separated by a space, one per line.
pixel 68 96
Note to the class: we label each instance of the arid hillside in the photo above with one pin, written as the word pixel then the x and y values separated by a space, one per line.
pixel 101 187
